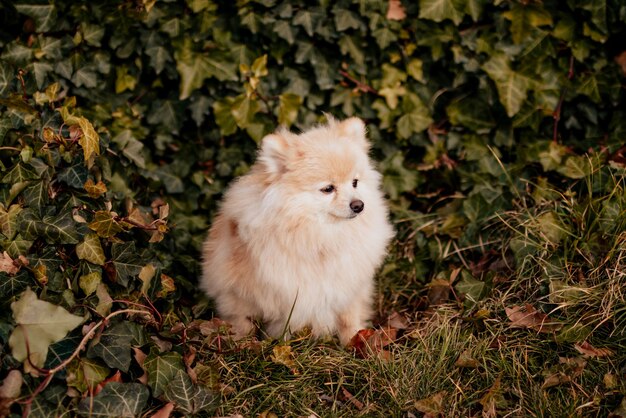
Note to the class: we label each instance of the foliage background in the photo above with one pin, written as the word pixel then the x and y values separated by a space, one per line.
pixel 122 121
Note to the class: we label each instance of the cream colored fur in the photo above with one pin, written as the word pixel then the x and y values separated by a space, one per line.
pixel 280 243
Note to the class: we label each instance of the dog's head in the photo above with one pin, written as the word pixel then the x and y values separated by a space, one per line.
pixel 324 172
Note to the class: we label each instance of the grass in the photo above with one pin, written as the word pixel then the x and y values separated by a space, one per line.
pixel 565 255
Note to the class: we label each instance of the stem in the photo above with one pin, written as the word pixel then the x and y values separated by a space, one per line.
pixel 51 372
pixel 359 84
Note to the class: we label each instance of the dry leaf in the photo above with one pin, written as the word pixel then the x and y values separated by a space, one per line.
pixel 397 320
pixel 555 379
pixel 7 264
pixel 140 357
pixel 396 10
pixel 11 385
pixel 567 370
pixel 432 406
pixel 621 60
pixel 282 354
pixel 40 324
pixel 492 399
pixel 95 190
pixel 164 412
pixel 368 342
pixel 529 317
pixel 587 350
pixel 610 381
pixel 354 401
pixel 466 360
pixel 117 377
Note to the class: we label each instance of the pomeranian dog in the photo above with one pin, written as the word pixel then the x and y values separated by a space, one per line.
pixel 298 239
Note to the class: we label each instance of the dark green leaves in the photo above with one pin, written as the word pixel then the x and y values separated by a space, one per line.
pixel 188 397
pixel 126 262
pixel 60 229
pixel 162 369
pixel 114 346
pixel 123 400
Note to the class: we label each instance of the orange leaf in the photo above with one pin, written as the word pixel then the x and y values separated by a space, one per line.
pixel 368 342
pixel 396 10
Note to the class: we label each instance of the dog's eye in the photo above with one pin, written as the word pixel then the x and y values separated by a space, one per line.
pixel 355 182
pixel 328 189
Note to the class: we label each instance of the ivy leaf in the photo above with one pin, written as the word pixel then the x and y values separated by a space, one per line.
pixel 89 282
pixel 126 261
pixel 36 195
pixel 224 117
pixel 44 15
pixel 474 290
pixel 243 109
pixel 61 350
pixel 194 68
pixel 85 374
pixel 289 104
pixel 91 250
pixel 12 285
pixel 60 229
pixel 306 19
pixel 114 346
pixel 345 19
pixel 159 56
pixel 123 400
pixel 74 176
pixel 187 397
pixel 18 174
pixel 416 117
pixel 512 87
pixel 525 18
pixel 131 147
pixel 162 369
pixel 104 224
pixel 40 323
pixel 9 221
pixel 439 10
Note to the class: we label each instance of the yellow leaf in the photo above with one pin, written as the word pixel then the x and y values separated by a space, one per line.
pixel 39 324
pixel 95 190
pixel 89 141
pixel 91 250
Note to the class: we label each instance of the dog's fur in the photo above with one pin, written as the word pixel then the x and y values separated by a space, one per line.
pixel 285 250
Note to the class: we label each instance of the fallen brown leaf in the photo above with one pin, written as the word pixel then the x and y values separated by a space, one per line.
pixel 491 399
pixel 11 385
pixel 587 350
pixel 466 360
pixel 529 317
pixel 369 342
pixel 282 354
pixel 432 406
pixel 621 60
pixel 567 370
pixel 140 356
pixel 555 379
pixel 165 411
pixel 117 377
pixel 397 320
pixel 7 264
pixel 396 10
pixel 354 401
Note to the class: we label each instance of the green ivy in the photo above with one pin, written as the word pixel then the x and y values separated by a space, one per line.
pixel 122 122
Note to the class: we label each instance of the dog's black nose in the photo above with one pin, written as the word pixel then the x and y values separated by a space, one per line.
pixel 357 206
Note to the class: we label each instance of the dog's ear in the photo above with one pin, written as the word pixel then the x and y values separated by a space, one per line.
pixel 354 129
pixel 274 152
